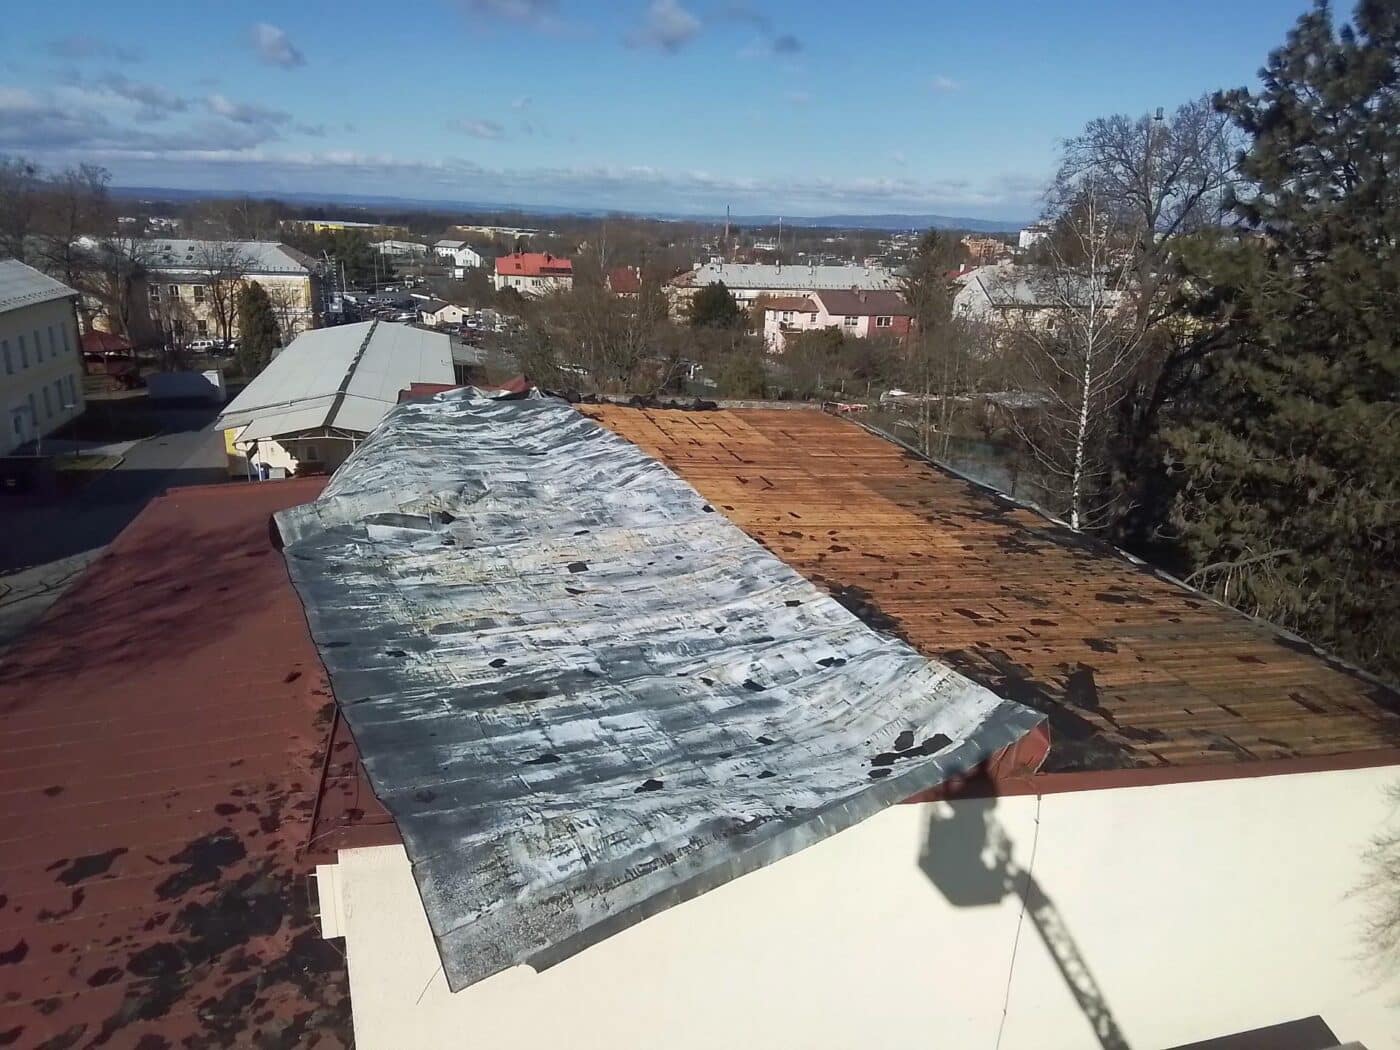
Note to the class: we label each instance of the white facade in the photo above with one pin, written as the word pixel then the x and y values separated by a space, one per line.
pixel 785 319
pixel 747 281
pixel 448 314
pixel 464 257
pixel 1178 912
pixel 1032 235
pixel 41 370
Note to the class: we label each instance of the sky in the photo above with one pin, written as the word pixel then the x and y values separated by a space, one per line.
pixel 680 106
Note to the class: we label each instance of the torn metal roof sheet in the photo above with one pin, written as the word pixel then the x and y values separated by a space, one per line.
pixel 585 695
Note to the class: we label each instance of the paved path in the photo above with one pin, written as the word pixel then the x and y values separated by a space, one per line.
pixel 44 547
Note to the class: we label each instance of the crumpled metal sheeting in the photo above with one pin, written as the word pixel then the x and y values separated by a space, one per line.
pixel 583 693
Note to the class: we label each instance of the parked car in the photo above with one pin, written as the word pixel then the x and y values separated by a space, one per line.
pixel 203 346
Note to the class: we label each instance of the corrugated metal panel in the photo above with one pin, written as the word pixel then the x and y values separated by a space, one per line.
pixel 348 377
pixel 584 694
pixel 22 285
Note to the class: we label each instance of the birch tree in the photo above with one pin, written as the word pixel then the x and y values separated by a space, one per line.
pixel 1079 348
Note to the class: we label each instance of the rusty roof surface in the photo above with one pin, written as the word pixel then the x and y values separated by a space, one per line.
pixel 1132 669
pixel 162 743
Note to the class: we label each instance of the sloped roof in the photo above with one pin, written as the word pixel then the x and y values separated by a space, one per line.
pixel 162 749
pixel 851 303
pixel 347 377
pixel 173 254
pixel 787 302
pixel 1029 287
pixel 795 277
pixel 22 285
pixel 450 244
pixel 534 264
pixel 1138 675
pixel 584 695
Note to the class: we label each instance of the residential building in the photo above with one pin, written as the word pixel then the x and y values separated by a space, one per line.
pixel 460 253
pixel 437 313
pixel 1008 294
pixel 317 399
pixel 41 368
pixel 373 230
pixel 857 313
pixel 542 712
pixel 984 250
pixel 507 233
pixel 625 281
pixel 400 249
pixel 533 273
pixel 747 281
pixel 1033 235
pixel 181 286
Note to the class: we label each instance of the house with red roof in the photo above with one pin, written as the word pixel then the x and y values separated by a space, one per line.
pixel 533 273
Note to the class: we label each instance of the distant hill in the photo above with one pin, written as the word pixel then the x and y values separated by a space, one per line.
pixel 891 221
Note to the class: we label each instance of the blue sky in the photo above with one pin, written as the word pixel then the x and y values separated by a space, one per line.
pixel 676 105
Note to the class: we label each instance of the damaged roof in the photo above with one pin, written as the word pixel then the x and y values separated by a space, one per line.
pixel 583 694
pixel 1136 673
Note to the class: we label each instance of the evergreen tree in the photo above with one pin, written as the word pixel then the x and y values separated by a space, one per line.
pixel 1288 458
pixel 258 335
pixel 714 306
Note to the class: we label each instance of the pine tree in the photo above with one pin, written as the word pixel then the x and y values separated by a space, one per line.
pixel 714 306
pixel 1288 460
pixel 258 335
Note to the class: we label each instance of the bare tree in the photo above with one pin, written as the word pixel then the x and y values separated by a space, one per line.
pixel 73 208
pixel 289 306
pixel 221 266
pixel 1079 354
pixel 122 264
pixel 19 191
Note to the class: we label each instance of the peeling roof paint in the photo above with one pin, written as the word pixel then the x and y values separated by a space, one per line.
pixel 583 693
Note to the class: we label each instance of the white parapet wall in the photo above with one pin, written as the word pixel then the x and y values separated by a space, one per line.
pixel 1151 917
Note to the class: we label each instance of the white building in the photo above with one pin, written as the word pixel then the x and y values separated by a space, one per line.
pixel 41 369
pixel 400 249
pixel 856 313
pixel 460 253
pixel 1032 235
pixel 436 313
pixel 747 281
pixel 318 398
pixel 533 273
pixel 1007 294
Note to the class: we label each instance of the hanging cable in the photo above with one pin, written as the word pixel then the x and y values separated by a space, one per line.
pixel 1020 920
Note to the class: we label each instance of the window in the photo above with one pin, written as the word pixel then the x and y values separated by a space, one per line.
pixel 72 392
pixel 201 326
pixel 48 406
pixel 309 453
pixel 58 395
pixel 67 346
pixel 155 293
pixel 53 343
pixel 33 412
pixel 38 347
pixel 5 351
pixel 174 291
pixel 23 353
pixel 883 322
pixel 199 293
pixel 787 317
pixel 850 320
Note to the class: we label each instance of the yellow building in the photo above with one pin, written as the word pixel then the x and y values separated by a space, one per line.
pixel 375 231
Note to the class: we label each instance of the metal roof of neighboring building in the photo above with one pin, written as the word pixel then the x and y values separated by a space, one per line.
pixel 347 377
pixel 1134 671
pixel 22 285
pixel 173 254
pixel 795 277
pixel 584 695
pixel 796 303
pixel 163 750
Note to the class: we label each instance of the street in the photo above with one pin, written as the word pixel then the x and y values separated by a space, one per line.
pixel 45 547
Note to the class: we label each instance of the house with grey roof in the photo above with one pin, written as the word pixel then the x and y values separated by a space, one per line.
pixel 748 281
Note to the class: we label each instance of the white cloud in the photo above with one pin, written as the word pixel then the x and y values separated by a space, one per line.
pixel 245 112
pixel 537 14
pixel 667 26
pixel 155 101
pixel 275 48
pixel 944 85
pixel 478 128
pixel 523 102
pixel 899 158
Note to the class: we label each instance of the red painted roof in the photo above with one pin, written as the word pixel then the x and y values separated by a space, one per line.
pixel 857 303
pixel 624 280
pixel 105 343
pixel 534 264
pixel 163 737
